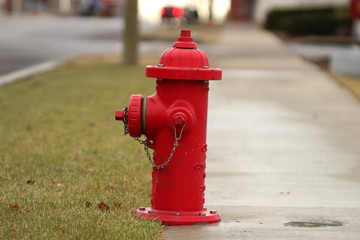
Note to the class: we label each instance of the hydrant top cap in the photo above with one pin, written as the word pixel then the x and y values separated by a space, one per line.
pixel 185 40
pixel 184 61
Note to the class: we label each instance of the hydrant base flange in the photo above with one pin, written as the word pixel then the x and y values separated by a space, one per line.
pixel 179 218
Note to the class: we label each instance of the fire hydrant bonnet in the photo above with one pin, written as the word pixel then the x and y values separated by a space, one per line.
pixel 184 62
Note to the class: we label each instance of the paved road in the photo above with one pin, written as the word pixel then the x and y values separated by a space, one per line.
pixel 28 41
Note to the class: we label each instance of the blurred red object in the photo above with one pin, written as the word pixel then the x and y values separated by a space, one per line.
pixel 171 12
pixel 178 12
pixel 355 8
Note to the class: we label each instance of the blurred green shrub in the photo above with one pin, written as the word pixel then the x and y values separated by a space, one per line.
pixel 327 20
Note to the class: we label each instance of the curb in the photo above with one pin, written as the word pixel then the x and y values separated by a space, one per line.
pixel 27 72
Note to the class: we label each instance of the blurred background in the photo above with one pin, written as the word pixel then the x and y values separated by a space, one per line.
pixel 150 11
pixel 314 29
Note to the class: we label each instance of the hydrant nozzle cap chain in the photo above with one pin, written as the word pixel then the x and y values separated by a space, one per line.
pixel 184 61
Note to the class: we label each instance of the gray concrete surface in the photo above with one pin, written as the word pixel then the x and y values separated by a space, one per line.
pixel 283 146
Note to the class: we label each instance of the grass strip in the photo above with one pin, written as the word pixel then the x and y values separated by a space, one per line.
pixel 66 171
pixel 352 83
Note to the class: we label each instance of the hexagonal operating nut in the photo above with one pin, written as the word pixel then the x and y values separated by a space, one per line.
pixel 179 120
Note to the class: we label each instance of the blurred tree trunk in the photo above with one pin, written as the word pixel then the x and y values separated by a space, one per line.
pixel 131 33
pixel 211 16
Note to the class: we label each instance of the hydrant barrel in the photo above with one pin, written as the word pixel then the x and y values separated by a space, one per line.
pixel 180 185
pixel 174 121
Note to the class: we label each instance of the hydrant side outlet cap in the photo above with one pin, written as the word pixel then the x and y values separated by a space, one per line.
pixel 184 62
pixel 134 115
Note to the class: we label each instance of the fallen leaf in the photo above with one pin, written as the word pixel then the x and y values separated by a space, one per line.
pixel 14 207
pixel 30 182
pixel 92 169
pixel 59 185
pixel 88 204
pixel 110 188
pixel 103 207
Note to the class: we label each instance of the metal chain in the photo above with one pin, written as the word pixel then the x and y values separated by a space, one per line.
pixel 173 150
pixel 126 126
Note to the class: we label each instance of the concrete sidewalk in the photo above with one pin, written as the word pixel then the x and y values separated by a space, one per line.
pixel 284 148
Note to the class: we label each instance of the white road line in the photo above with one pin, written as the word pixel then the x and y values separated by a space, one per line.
pixel 27 72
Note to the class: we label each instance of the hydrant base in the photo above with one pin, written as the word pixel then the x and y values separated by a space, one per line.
pixel 179 218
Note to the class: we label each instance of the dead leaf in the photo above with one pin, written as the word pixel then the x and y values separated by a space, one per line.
pixel 14 207
pixel 110 188
pixel 59 185
pixel 92 170
pixel 103 207
pixel 30 182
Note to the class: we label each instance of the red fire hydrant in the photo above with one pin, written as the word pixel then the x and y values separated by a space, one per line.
pixel 174 121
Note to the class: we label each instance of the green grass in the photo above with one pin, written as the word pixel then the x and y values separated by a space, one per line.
pixel 60 148
pixel 352 83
